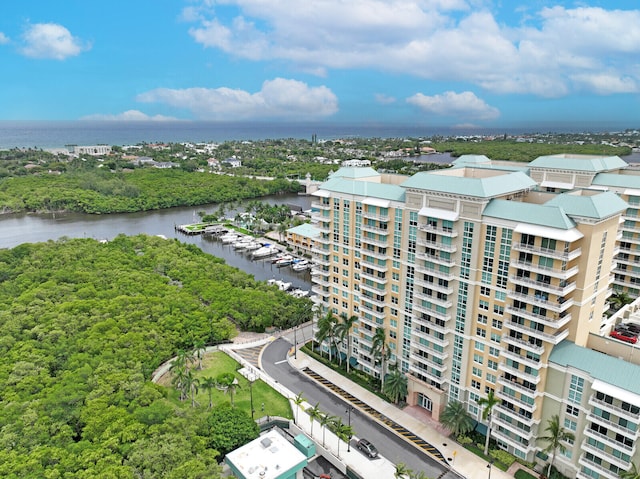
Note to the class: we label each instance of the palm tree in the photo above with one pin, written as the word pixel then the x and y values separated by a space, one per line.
pixel 487 404
pixel 456 418
pixel 402 471
pixel 231 389
pixel 632 473
pixel 327 330
pixel 179 379
pixel 193 385
pixel 556 438
pixel 381 352
pixel 343 330
pixel 199 349
pixel 208 383
pixel 325 421
pixel 343 431
pixel 298 400
pixel 619 299
pixel 396 385
pixel 314 414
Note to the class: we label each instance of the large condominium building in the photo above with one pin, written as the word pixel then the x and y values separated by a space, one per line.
pixel 493 276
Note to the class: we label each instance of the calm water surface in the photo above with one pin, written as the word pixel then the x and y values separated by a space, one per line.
pixel 27 228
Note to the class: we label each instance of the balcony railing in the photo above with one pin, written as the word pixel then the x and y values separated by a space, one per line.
pixel 557 289
pixel 374 229
pixel 556 306
pixel 431 312
pixel 450 248
pixel 521 343
pixel 549 338
pixel 551 253
pixel 452 233
pixel 449 262
pixel 554 272
pixel 618 411
pixel 434 286
pixel 375 216
pixel 554 322
pixel 423 269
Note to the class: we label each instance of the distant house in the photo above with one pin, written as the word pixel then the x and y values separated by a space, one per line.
pixel 232 162
pixel 94 150
pixel 356 163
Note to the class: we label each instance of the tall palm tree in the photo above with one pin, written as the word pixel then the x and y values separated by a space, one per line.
pixel 199 349
pixel 327 330
pixel 208 383
pixel 231 389
pixel 556 438
pixel 381 352
pixel 396 385
pixel 488 404
pixel 343 330
pixel 298 400
pixel 314 415
pixel 179 379
pixel 632 473
pixel 343 431
pixel 326 420
pixel 456 418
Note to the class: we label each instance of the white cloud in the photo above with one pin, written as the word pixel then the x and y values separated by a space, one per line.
pixel 129 115
pixel 278 98
pixel 50 40
pixel 550 53
pixel 3 39
pixel 465 105
pixel 384 99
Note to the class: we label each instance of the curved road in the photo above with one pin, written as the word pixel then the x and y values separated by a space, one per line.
pixel 274 362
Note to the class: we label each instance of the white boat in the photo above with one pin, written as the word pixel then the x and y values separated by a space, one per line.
pixel 300 265
pixel 241 243
pixel 279 256
pixel 253 245
pixel 282 286
pixel 229 238
pixel 299 293
pixel 284 260
pixel 266 250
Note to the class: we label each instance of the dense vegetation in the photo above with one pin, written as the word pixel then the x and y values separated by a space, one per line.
pixel 82 326
pixel 140 190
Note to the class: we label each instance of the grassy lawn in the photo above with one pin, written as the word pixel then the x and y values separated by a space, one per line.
pixel 218 362
pixel 522 474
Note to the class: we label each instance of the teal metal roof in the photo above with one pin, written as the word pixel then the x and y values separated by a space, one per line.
pixel 621 181
pixel 599 205
pixel 364 188
pixel 354 172
pixel 488 187
pixel 471 160
pixel 600 366
pixel 543 215
pixel 593 164
pixel 305 229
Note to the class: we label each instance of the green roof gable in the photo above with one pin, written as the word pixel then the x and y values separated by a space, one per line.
pixel 354 172
pixel 600 205
pixel 600 366
pixel 483 187
pixel 531 213
pixel 589 163
pixel 620 181
pixel 364 188
pixel 305 229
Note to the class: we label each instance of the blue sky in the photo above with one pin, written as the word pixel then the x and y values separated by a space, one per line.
pixel 464 63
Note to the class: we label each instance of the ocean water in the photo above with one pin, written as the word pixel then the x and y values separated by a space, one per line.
pixel 57 134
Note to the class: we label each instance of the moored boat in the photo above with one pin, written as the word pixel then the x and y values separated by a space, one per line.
pixel 300 265
pixel 266 250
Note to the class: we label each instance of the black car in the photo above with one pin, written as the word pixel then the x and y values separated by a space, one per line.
pixel 633 327
pixel 368 448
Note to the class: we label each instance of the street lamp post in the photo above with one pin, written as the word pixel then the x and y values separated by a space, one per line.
pixel 251 377
pixel 295 342
pixel 348 411
pixel 489 467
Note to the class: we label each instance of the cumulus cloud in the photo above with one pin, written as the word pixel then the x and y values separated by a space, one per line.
pixel 278 98
pixel 3 38
pixel 552 52
pixel 50 40
pixel 465 105
pixel 384 99
pixel 129 115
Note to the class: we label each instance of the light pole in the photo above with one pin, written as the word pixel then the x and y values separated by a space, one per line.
pixel 295 342
pixel 251 377
pixel 489 467
pixel 348 411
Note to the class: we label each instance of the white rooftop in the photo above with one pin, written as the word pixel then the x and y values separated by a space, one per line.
pixel 266 457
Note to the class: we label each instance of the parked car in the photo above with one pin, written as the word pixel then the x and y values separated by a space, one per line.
pixel 368 448
pixel 633 327
pixel 626 336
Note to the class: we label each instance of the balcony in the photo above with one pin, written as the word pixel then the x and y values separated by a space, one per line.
pixel 547 321
pixel 423 269
pixel 551 253
pixel 610 458
pixel 436 258
pixel 377 302
pixel 612 426
pixel 429 337
pixel 450 248
pixel 374 265
pixel 512 413
pixel 549 338
pixel 418 294
pixel 558 307
pixel 372 311
pixel 320 206
pixel 502 366
pixel 450 232
pixel 434 286
pixel 376 242
pixel 374 216
pixel 372 277
pixel 321 260
pixel 443 329
pixel 521 343
pixel 554 272
pixel 523 431
pixel 559 289
pixel 431 312
pixel 374 254
pixel 431 376
pixel 609 441
pixel 373 289
pixel 364 320
pixel 320 281
pixel 374 229
pixel 518 402
pixel 618 411
pixel 514 384
pixel 526 448
pixel 602 471
pixel 429 362
pixel 442 355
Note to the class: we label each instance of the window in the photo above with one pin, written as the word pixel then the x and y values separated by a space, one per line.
pixel 479 346
pixel 484 305
pixel 481 332
pixel 477 358
pixel 482 319
pixel 497 324
pixel 573 411
pixel 575 389
pixel 475 384
pixel 571 425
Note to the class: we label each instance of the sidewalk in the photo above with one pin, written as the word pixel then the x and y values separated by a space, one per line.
pixel 462 461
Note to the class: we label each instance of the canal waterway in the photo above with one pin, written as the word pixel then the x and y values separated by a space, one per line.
pixel 30 228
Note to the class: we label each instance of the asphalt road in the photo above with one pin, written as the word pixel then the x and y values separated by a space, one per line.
pixel 390 446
